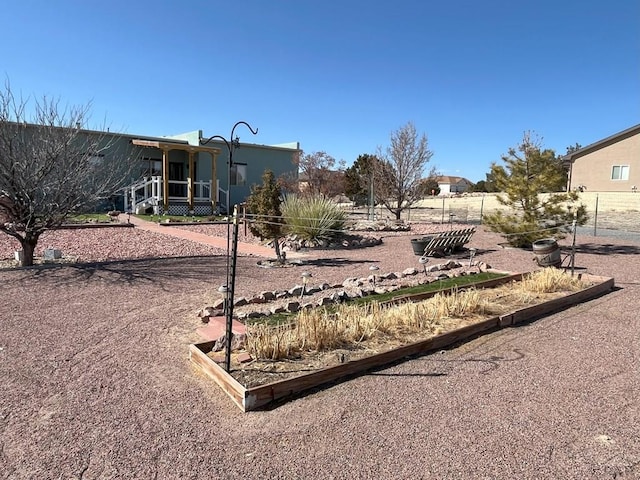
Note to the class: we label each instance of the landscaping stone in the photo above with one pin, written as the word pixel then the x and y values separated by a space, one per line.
pixel 219 304
pixel 268 296
pixel 237 342
pixel 295 291
pixel 240 301
pixel 292 307
pixel 244 357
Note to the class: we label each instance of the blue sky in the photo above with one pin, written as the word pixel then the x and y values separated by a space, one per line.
pixel 339 76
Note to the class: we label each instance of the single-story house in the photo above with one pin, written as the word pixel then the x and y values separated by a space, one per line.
pixel 608 165
pixel 187 174
pixel 452 185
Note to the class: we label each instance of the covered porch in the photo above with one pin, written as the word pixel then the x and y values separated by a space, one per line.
pixel 182 181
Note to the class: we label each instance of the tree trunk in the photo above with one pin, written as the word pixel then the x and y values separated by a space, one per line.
pixel 276 247
pixel 28 244
pixel 398 212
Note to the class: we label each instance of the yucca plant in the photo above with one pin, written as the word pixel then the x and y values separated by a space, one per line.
pixel 313 218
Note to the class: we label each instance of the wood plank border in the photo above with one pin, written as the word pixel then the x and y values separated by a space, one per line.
pixel 254 398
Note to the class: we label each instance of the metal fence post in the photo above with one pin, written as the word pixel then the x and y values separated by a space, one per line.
pixel 595 219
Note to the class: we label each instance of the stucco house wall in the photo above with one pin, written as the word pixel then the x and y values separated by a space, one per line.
pixel 610 165
pixel 452 185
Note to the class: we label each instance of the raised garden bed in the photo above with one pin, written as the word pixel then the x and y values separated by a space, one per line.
pixel 339 364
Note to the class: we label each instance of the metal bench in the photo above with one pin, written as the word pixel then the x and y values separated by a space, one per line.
pixel 446 242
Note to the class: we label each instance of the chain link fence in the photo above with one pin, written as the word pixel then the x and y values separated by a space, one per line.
pixel 606 210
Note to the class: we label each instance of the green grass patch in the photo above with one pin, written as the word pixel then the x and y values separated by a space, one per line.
pixel 280 318
pixel 182 218
pixel 89 217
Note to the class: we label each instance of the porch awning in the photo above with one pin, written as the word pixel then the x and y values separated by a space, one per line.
pixel 174 146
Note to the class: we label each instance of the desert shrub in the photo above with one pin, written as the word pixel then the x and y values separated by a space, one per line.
pixel 313 218
pixel 264 205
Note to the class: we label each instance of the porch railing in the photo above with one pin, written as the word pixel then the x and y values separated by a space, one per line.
pixel 148 192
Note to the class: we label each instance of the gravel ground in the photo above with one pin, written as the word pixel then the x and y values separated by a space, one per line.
pixel 96 382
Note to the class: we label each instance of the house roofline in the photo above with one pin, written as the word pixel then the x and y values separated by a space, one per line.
pixel 629 132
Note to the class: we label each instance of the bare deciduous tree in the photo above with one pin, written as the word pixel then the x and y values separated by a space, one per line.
pixel 318 171
pixel 51 167
pixel 399 173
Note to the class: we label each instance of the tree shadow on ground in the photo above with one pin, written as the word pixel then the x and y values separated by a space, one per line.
pixel 335 262
pixel 605 249
pixel 164 273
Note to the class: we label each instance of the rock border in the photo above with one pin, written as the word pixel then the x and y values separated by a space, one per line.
pixel 350 288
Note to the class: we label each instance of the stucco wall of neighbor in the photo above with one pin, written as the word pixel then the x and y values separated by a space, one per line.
pixel 445 189
pixel 593 170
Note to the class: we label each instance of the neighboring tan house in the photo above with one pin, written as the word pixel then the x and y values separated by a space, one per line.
pixel 609 165
pixel 452 185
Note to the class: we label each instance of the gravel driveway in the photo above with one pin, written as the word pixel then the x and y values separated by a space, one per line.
pixel 96 383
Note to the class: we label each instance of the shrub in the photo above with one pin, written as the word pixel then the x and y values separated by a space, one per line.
pixel 264 205
pixel 313 218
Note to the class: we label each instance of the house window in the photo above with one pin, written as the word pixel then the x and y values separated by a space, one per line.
pixel 150 167
pixel 620 172
pixel 95 159
pixel 238 174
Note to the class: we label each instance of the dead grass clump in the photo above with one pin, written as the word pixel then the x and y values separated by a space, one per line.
pixel 321 329
pixel 348 325
pixel 549 280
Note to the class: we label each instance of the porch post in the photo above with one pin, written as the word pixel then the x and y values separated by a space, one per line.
pixel 165 180
pixel 190 186
pixel 214 183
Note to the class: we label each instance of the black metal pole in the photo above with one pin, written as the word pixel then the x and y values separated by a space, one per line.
pixel 231 144
pixel 595 219
pixel 573 244
pixel 229 325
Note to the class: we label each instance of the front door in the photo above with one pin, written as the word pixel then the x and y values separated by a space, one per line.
pixel 177 173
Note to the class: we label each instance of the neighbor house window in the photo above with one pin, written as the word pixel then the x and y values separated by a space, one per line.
pixel 238 174
pixel 620 172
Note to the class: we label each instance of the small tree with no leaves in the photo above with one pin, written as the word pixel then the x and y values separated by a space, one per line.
pixel 318 170
pixel 264 206
pixel 529 172
pixel 399 173
pixel 51 167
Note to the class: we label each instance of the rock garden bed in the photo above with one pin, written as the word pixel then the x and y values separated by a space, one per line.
pixel 330 343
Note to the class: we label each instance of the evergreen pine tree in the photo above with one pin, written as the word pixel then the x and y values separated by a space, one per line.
pixel 529 182
pixel 264 205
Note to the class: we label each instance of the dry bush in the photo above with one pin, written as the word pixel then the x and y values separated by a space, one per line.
pixel 549 280
pixel 321 329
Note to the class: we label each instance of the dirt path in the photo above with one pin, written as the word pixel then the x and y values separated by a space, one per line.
pixel 96 383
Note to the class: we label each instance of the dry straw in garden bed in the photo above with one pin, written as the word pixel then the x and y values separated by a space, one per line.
pixel 316 330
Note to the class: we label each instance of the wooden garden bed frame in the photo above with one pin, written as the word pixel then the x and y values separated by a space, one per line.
pixel 254 398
